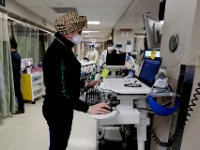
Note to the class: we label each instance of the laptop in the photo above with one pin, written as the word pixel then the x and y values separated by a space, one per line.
pixel 148 71
pixel 139 85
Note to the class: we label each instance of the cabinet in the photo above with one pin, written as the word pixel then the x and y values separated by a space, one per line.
pixel 32 86
pixel 87 69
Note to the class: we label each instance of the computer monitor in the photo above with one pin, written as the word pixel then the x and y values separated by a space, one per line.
pixel 118 46
pixel 147 53
pixel 26 62
pixel 149 70
pixel 162 9
pixel 153 32
pixel 115 59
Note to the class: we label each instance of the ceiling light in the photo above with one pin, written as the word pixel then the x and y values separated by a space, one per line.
pixel 148 12
pixel 162 22
pixel 93 22
pixel 90 31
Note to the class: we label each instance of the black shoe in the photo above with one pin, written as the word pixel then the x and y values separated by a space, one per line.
pixel 19 112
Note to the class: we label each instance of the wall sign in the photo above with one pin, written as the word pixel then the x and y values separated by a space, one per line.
pixel 2 2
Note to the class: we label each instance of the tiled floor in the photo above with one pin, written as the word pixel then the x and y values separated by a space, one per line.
pixel 29 131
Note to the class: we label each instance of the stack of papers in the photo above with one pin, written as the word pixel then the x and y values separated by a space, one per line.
pixel 106 116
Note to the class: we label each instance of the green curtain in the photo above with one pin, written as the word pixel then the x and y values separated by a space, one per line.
pixel 7 96
pixel 35 45
pixel 50 38
pixel 45 39
pixel 28 41
pixel 27 38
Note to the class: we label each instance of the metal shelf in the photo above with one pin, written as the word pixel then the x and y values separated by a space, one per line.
pixel 36 89
pixel 37 82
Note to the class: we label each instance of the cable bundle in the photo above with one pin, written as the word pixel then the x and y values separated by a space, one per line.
pixel 181 128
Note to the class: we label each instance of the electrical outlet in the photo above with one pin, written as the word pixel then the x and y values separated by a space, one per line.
pixel 198 60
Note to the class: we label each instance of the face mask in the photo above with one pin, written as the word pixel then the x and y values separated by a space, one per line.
pixel 91 48
pixel 77 39
pixel 110 48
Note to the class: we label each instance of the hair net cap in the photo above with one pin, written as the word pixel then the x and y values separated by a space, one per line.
pixel 110 42
pixel 70 22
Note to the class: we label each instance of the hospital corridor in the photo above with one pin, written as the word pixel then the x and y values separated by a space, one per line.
pixel 29 131
pixel 99 74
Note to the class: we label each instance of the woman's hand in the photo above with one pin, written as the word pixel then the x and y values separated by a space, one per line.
pixel 101 108
pixel 92 83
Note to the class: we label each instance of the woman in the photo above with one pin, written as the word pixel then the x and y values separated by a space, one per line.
pixel 62 81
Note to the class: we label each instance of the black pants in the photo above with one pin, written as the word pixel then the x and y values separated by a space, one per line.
pixel 59 128
pixel 18 94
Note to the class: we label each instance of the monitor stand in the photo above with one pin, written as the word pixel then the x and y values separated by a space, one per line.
pixel 113 69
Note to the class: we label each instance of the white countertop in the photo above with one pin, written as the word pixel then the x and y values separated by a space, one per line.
pixel 117 85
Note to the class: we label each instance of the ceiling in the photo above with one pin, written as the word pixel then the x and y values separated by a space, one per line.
pixel 112 14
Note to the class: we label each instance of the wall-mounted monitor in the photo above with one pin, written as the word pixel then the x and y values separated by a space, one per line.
pixel 162 9
pixel 153 29
pixel 120 48
pixel 2 2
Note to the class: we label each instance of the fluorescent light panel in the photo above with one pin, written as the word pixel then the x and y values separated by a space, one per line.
pixel 90 31
pixel 93 22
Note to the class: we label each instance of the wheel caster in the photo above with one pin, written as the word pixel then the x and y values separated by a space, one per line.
pixel 124 145
pixel 101 144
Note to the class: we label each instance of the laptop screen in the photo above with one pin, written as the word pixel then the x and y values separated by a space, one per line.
pixel 149 70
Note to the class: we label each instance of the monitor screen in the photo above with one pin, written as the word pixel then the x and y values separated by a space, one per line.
pixel 115 59
pixel 162 9
pixel 149 70
pixel 147 53
pixel 2 3
pixel 118 45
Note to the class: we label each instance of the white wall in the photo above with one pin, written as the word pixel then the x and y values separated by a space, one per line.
pixel 183 17
pixel 13 7
pixel 139 43
pixel 122 38
pixel 179 18
pixel 192 131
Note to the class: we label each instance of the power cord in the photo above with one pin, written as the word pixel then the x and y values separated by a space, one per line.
pixel 195 98
pixel 181 128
